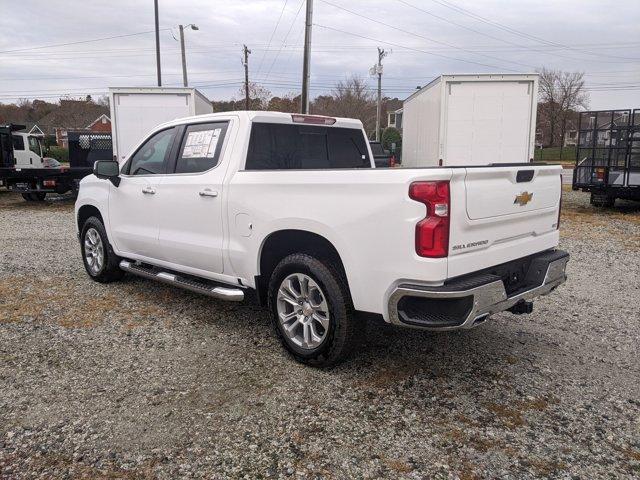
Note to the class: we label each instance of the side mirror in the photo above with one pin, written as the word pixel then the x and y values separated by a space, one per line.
pixel 107 170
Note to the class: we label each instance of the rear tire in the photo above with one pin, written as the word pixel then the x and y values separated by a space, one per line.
pixel 602 200
pixel 315 323
pixel 100 262
pixel 27 197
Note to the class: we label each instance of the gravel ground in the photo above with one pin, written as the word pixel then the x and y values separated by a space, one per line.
pixel 138 380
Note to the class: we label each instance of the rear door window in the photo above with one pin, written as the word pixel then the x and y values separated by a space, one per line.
pixel 285 147
pixel 34 146
pixel 200 147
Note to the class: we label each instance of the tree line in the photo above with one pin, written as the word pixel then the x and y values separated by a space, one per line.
pixel 351 97
pixel 561 96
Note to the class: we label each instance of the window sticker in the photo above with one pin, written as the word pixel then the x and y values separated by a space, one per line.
pixel 201 144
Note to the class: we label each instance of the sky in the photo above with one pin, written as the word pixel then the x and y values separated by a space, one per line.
pixel 59 49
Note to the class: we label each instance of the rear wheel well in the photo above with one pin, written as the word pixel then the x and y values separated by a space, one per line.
pixel 279 245
pixel 85 212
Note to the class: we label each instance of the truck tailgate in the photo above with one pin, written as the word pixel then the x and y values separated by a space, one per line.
pixel 508 212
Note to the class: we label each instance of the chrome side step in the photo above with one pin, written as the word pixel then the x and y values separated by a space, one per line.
pixel 223 293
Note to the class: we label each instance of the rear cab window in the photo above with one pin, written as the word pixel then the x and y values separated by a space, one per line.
pixel 18 142
pixel 276 146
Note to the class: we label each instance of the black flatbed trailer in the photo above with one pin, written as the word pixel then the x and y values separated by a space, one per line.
pixel 608 156
pixel 35 183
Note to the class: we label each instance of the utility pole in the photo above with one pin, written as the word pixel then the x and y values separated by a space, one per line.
pixel 155 6
pixel 377 70
pixel 246 76
pixel 184 57
pixel 181 28
pixel 304 98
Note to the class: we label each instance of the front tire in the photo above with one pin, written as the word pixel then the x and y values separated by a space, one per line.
pixel 100 262
pixel 34 196
pixel 311 310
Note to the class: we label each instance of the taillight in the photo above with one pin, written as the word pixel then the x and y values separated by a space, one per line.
pixel 560 205
pixel 432 232
pixel 49 183
pixel 600 174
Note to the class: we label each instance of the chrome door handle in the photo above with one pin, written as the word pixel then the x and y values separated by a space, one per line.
pixel 148 190
pixel 207 193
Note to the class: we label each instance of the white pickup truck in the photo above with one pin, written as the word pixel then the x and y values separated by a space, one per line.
pixel 289 208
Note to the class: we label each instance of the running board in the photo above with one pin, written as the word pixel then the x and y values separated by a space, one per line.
pixel 223 293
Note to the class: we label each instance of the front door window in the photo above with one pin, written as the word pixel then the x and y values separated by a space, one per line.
pixel 151 157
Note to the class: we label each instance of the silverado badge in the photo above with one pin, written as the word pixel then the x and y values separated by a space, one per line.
pixel 523 198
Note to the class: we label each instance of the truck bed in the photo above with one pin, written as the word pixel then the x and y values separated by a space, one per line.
pixel 368 214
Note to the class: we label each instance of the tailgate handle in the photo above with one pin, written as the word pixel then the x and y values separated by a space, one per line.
pixel 524 176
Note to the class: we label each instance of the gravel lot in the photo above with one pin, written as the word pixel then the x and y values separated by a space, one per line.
pixel 138 380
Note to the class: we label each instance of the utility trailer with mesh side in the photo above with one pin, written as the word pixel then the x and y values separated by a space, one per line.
pixel 608 156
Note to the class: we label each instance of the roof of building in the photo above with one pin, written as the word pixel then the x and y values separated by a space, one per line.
pixel 104 115
pixel 71 114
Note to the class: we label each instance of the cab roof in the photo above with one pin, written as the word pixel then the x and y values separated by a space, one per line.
pixel 267 117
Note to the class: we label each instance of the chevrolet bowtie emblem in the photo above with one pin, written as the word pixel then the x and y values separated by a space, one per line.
pixel 523 198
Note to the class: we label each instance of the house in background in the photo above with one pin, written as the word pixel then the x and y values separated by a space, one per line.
pixel 570 138
pixel 101 124
pixel 74 115
pixel 394 119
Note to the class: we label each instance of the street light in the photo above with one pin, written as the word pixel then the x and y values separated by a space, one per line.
pixel 184 57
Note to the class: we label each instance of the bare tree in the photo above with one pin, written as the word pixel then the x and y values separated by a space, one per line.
pixel 259 96
pixel 349 98
pixel 287 103
pixel 561 95
pixel 103 100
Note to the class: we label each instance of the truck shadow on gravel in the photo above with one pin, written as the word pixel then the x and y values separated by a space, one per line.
pixel 13 201
pixel 386 355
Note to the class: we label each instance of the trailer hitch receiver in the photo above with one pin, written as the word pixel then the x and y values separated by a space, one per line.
pixel 522 307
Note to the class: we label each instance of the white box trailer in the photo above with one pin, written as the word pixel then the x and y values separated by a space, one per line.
pixel 135 111
pixel 476 119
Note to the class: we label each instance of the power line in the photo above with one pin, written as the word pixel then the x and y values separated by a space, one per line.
pixel 525 47
pixel 81 41
pixel 233 47
pixel 424 37
pixel 320 88
pixel 519 33
pixel 271 37
pixel 285 39
pixel 298 38
pixel 407 48
pixel 454 23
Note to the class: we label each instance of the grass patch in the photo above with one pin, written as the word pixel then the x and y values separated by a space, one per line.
pixel 71 305
pixel 555 155
pixel 513 417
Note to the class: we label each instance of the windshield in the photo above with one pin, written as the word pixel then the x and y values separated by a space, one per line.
pixel 35 146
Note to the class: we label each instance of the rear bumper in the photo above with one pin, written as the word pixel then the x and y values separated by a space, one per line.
pixel 468 301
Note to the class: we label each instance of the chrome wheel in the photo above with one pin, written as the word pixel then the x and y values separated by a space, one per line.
pixel 93 251
pixel 303 311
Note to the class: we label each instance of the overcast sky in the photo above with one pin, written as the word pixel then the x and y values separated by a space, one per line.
pixel 600 38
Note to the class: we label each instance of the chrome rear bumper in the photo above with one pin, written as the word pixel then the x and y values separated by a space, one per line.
pixel 463 304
